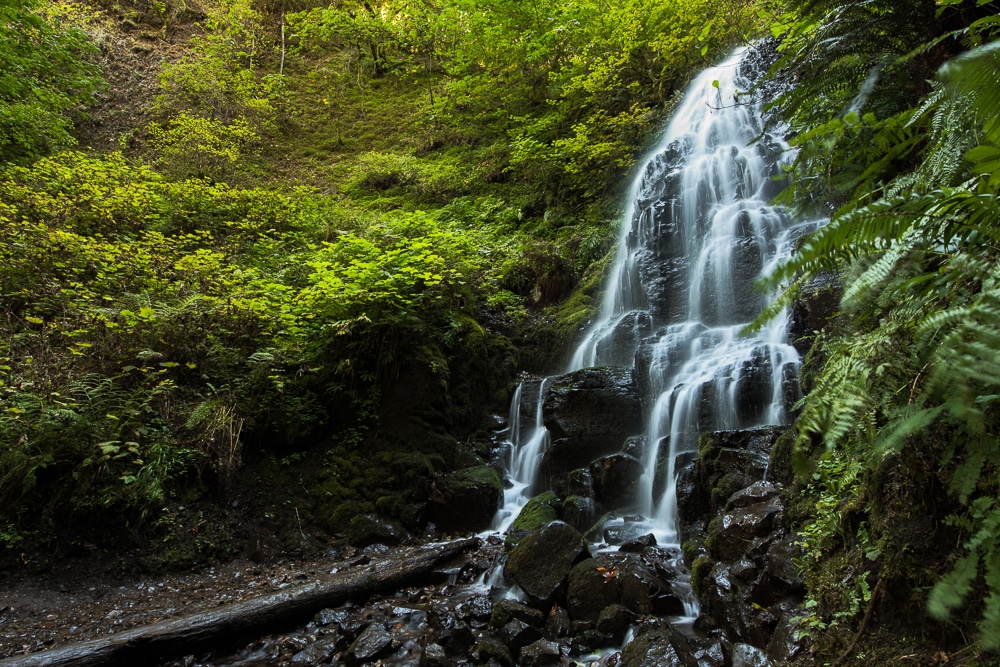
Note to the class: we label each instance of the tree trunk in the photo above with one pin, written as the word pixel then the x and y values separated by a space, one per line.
pixel 167 639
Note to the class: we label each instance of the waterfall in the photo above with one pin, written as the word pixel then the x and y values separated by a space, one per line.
pixel 698 232
pixel 526 448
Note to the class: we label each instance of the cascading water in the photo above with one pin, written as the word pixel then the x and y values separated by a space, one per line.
pixel 698 232
pixel 526 449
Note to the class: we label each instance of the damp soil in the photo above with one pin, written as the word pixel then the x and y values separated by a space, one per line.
pixel 88 598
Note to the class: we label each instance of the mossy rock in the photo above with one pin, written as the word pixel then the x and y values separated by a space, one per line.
pixel 540 510
pixel 465 499
pixel 701 568
pixel 368 529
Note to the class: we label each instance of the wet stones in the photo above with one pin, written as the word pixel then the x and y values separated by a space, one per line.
pixel 541 563
pixel 373 642
pixel 743 570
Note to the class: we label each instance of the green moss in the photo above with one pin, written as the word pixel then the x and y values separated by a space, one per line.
pixel 692 550
pixel 540 510
pixel 701 568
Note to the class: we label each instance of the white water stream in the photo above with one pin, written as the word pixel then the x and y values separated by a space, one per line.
pixel 698 232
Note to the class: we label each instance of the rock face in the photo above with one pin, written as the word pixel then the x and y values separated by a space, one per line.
pixel 744 574
pixel 465 499
pixel 589 413
pixel 616 478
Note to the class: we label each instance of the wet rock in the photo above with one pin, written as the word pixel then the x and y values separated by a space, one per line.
pixel 476 608
pixel 635 446
pixel 434 655
pixel 456 639
pixel 517 634
pixel 557 624
pixel 789 639
pixel 639 544
pixel 652 649
pixel 615 349
pixel 745 655
pixel 346 619
pixel 593 585
pixel 580 512
pixel 367 529
pixel 373 642
pixel 711 656
pixel 643 592
pixel 491 648
pixel 540 510
pixel 541 563
pixel 614 621
pixel 730 533
pixel 616 478
pixel 574 483
pixel 318 652
pixel 818 303
pixel 465 499
pixel 755 493
pixel 588 414
pixel 505 610
pixel 781 558
pixel 540 653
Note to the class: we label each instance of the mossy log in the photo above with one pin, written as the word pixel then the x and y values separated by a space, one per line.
pixel 215 627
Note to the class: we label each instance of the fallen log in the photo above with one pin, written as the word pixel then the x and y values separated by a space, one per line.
pixel 180 636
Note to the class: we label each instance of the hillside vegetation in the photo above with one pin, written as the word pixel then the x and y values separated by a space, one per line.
pixel 316 242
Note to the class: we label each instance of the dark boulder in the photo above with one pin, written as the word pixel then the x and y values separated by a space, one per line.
pixel 541 653
pixel 730 533
pixel 541 563
pixel 593 585
pixel 580 512
pixel 434 655
pixel 465 499
pixel 373 642
pixel 318 652
pixel 639 544
pixel 557 624
pixel 616 478
pixel 651 649
pixel 506 610
pixel 367 529
pixel 517 634
pixel 614 621
pixel 745 655
pixel 588 413
pixel 491 648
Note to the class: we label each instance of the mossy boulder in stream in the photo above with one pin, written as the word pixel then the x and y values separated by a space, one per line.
pixel 465 499
pixel 540 510
pixel 542 562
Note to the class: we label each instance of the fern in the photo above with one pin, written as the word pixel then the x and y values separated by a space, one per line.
pixel 914 174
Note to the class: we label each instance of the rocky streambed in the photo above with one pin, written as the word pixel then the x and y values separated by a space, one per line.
pixel 612 597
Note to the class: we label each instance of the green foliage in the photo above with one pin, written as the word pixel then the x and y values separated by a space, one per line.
pixel 191 146
pixel 914 172
pixel 151 327
pixel 45 75
pixel 219 99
